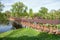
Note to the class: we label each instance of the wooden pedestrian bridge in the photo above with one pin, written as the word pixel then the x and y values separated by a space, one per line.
pixel 36 24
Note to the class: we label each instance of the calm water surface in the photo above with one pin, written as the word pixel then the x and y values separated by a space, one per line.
pixel 4 28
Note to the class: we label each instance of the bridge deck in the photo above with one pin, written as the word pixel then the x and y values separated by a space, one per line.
pixel 35 23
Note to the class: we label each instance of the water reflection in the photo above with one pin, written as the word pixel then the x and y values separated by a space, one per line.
pixel 4 28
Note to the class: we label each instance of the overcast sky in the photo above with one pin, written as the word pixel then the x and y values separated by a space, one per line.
pixel 34 4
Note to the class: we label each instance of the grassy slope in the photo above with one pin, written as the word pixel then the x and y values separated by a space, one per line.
pixel 27 34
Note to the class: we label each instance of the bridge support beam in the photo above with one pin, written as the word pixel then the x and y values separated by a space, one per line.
pixel 17 26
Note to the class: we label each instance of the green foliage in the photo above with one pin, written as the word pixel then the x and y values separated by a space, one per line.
pixel 43 10
pixel 53 14
pixel 18 9
pixel 1 7
pixel 58 26
pixel 27 34
pixel 31 13
pixel 3 18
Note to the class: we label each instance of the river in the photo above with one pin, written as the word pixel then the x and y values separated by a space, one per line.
pixel 4 28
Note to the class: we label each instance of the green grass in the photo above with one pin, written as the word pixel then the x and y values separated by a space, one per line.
pixel 27 34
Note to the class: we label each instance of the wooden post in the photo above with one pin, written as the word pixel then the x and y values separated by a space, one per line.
pixel 56 29
pixel 50 30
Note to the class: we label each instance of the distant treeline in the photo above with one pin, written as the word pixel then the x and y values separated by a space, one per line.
pixel 19 9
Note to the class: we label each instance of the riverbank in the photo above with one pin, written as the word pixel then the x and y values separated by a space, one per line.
pixel 27 34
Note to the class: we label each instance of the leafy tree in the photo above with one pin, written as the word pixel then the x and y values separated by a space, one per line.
pixel 3 18
pixel 25 12
pixel 31 13
pixel 53 14
pixel 58 13
pixel 7 13
pixel 43 10
pixel 2 15
pixel 1 7
pixel 18 9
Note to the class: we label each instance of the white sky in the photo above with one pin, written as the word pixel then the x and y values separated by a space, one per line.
pixel 34 4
